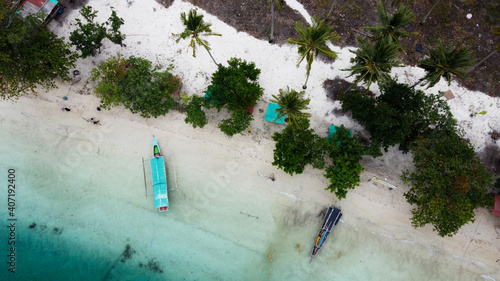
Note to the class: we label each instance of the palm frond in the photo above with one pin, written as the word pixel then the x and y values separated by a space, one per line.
pixel 445 61
pixel 292 104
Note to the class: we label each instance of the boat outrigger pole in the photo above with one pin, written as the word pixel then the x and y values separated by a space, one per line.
pixel 144 171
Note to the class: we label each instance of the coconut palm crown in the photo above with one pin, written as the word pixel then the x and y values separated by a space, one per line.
pixel 195 27
pixel 292 103
pixel 313 41
pixel 373 62
pixel 445 62
pixel 391 26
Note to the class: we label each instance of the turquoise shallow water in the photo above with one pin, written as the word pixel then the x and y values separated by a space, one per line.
pixel 82 215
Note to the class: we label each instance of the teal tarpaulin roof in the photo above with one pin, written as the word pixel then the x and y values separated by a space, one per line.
pixel 159 178
pixel 271 114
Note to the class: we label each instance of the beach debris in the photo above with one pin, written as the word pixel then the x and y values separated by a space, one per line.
pixel 65 109
pixel 248 215
pixel 93 121
pixel 391 186
pixel 449 95
pixel 271 176
pixel 469 16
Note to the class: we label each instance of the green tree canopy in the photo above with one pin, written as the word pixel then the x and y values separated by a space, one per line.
pixel 298 146
pixel 345 151
pixel 239 121
pixel 292 103
pixel 312 42
pixel 30 56
pixel 448 184
pixel 196 27
pixel 195 114
pixel 88 37
pixel 445 61
pixel 399 114
pixel 135 83
pixel 235 86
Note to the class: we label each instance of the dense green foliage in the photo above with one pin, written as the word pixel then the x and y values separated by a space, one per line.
pixel 448 184
pixel 445 61
pixel 136 84
pixel 88 37
pixel 312 41
pixel 373 62
pixel 195 114
pixel 195 27
pixel 30 55
pixel 298 146
pixel 399 114
pixel 346 151
pixel 235 86
pixel 239 121
pixel 391 26
pixel 292 103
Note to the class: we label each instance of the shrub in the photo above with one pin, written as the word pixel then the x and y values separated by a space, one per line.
pixel 195 114
pixel 298 146
pixel 239 121
pixel 448 184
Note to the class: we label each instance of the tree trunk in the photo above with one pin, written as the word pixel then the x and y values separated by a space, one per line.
pixel 428 13
pixel 485 58
pixel 305 84
pixel 331 8
pixel 418 82
pixel 212 57
pixel 388 4
pixel 271 36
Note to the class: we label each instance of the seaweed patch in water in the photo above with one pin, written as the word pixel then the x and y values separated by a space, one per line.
pixel 127 253
pixel 33 225
pixel 152 265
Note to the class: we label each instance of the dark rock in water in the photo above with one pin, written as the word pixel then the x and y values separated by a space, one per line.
pixel 57 230
pixel 33 225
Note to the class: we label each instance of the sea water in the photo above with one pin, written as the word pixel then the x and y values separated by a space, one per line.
pixel 82 214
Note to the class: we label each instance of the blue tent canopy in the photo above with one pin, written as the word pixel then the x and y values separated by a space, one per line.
pixel 271 114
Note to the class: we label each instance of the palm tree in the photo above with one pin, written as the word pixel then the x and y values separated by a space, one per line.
pixel 279 3
pixel 196 27
pixel 292 103
pixel 391 26
pixel 373 62
pixel 312 42
pixel 445 62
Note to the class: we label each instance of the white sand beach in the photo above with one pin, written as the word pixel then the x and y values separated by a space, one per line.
pixel 89 178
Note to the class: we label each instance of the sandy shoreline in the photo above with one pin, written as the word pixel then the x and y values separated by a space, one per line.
pixel 241 158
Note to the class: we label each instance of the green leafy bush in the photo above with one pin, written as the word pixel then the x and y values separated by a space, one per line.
pixel 30 56
pixel 448 184
pixel 88 37
pixel 136 84
pixel 235 86
pixel 298 146
pixel 239 121
pixel 346 151
pixel 195 114
pixel 399 114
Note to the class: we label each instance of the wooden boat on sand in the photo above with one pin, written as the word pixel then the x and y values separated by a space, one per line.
pixel 332 217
